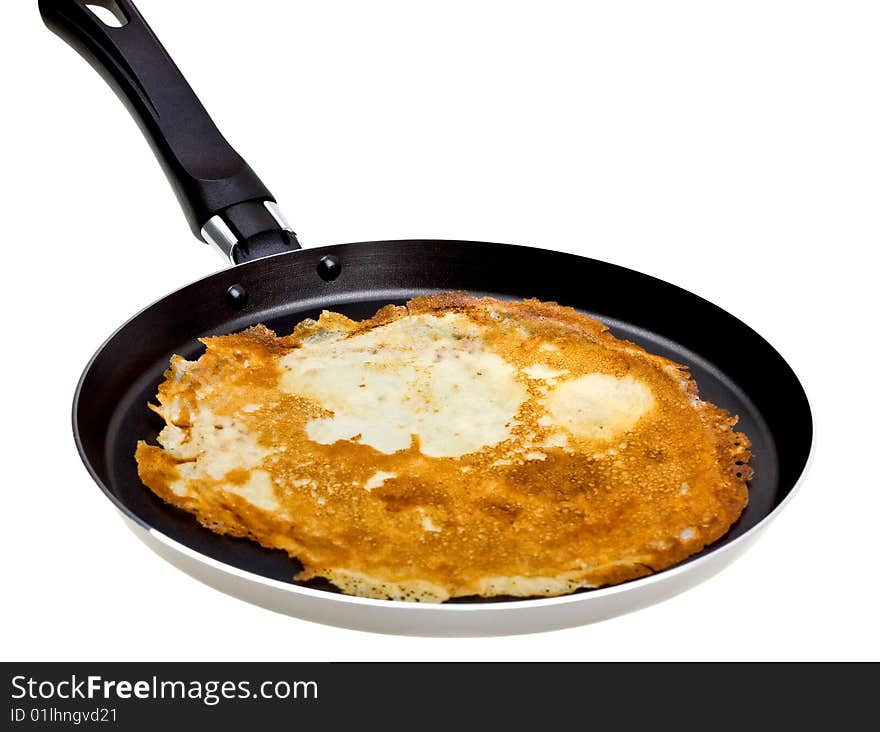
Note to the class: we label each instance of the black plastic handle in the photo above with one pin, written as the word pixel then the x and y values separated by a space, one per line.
pixel 209 178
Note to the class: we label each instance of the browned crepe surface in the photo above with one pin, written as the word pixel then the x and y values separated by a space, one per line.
pixel 452 447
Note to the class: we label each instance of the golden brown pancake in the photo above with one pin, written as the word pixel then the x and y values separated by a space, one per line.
pixel 451 447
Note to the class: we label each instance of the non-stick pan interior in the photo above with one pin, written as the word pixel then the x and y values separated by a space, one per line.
pixel 734 367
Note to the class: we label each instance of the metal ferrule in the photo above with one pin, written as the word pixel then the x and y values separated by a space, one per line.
pixel 218 233
pixel 219 236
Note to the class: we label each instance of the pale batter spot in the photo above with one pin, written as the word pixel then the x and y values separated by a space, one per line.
pixel 557 439
pixel 216 444
pixel 687 534
pixel 536 456
pixel 378 479
pixel 429 525
pixel 599 406
pixel 175 411
pixel 420 375
pixel 179 488
pixel 542 371
pixel 179 369
pixel 258 490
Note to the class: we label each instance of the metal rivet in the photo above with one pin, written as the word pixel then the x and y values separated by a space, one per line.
pixel 236 297
pixel 329 268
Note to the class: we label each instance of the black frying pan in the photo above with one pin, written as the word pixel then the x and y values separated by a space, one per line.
pixel 277 284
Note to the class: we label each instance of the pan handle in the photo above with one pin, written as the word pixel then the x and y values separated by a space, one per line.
pixel 224 201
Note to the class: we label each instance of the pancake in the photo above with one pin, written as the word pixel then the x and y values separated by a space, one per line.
pixel 451 447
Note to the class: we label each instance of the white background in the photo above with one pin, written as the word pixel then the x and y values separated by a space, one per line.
pixel 730 148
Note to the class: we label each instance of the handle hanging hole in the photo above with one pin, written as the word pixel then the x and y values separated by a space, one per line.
pixel 108 12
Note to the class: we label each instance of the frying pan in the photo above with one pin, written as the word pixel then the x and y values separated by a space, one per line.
pixel 273 281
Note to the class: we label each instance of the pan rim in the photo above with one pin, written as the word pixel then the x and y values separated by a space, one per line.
pixel 680 569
